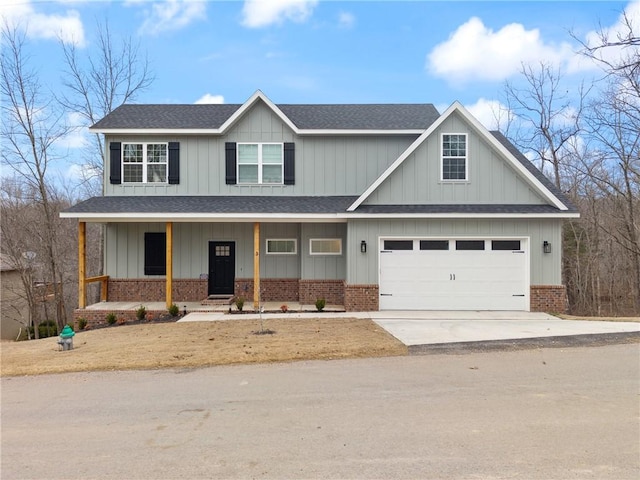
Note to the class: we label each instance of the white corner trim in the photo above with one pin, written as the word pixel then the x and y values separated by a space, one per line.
pixel 480 129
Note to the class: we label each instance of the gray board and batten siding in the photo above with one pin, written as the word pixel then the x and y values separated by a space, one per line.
pixel 491 179
pixel 124 246
pixel 545 269
pixel 324 165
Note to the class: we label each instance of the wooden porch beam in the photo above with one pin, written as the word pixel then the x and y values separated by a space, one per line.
pixel 256 265
pixel 82 264
pixel 169 260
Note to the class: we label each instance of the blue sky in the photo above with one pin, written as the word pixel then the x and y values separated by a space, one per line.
pixel 299 51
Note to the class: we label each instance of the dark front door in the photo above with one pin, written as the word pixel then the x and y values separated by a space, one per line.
pixel 222 267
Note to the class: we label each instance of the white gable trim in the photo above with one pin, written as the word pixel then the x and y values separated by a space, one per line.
pixel 250 103
pixel 480 129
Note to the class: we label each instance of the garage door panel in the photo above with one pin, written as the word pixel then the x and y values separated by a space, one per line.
pixel 454 279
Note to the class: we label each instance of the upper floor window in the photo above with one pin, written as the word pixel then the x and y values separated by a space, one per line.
pixel 144 162
pixel 260 163
pixel 454 156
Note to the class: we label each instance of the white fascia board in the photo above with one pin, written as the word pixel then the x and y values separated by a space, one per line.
pixel 291 218
pixel 480 129
pixel 156 131
pixel 217 131
pixel 206 218
pixel 358 132
pixel 373 216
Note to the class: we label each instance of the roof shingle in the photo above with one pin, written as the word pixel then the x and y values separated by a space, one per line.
pixel 321 117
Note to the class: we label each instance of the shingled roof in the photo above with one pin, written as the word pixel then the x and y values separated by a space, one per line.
pixel 534 170
pixel 261 205
pixel 305 117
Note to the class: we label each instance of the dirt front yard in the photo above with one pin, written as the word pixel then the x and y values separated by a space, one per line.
pixel 198 344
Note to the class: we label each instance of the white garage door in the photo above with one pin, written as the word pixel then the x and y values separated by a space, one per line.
pixel 454 274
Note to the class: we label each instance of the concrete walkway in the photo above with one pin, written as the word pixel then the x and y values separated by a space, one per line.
pixel 424 329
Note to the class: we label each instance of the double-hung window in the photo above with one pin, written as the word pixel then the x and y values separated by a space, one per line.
pixel 144 162
pixel 260 163
pixel 454 157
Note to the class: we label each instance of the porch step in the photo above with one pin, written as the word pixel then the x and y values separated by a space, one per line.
pixel 217 300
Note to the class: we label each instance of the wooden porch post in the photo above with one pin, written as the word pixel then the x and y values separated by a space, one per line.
pixel 82 264
pixel 169 260
pixel 256 265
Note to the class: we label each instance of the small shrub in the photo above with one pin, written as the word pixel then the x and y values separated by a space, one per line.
pixel 121 321
pixel 82 323
pixel 111 318
pixel 284 308
pixel 239 301
pixel 174 310
pixel 46 329
pixel 320 303
pixel 141 312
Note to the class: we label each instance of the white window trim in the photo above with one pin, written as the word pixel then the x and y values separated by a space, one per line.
pixel 311 252
pixel 260 164
pixel 295 246
pixel 144 163
pixel 466 158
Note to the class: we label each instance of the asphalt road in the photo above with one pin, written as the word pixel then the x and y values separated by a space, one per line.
pixel 532 414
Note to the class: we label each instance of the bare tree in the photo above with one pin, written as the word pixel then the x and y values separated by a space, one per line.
pixel 613 125
pixel 30 127
pixel 102 81
pixel 547 117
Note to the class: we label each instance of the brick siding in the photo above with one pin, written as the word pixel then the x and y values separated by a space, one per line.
pixel 548 298
pixel 96 318
pixel 331 290
pixel 153 290
pixel 361 298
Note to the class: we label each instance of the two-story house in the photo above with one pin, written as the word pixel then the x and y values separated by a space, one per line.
pixel 385 206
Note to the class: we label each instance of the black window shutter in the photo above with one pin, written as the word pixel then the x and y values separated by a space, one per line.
pixel 115 158
pixel 289 163
pixel 230 163
pixel 155 253
pixel 174 163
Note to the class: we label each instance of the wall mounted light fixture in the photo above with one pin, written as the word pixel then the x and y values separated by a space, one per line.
pixel 363 246
pixel 546 247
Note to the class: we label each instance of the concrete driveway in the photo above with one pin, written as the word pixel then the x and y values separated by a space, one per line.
pixel 492 327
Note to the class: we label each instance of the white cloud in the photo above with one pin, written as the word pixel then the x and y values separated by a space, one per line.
pixel 78 136
pixel 346 20
pixel 261 13
pixel 475 52
pixel 208 98
pixel 172 15
pixel 21 13
pixel 490 113
pixel 613 33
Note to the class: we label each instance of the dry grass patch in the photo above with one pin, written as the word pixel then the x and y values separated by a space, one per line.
pixel 198 344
